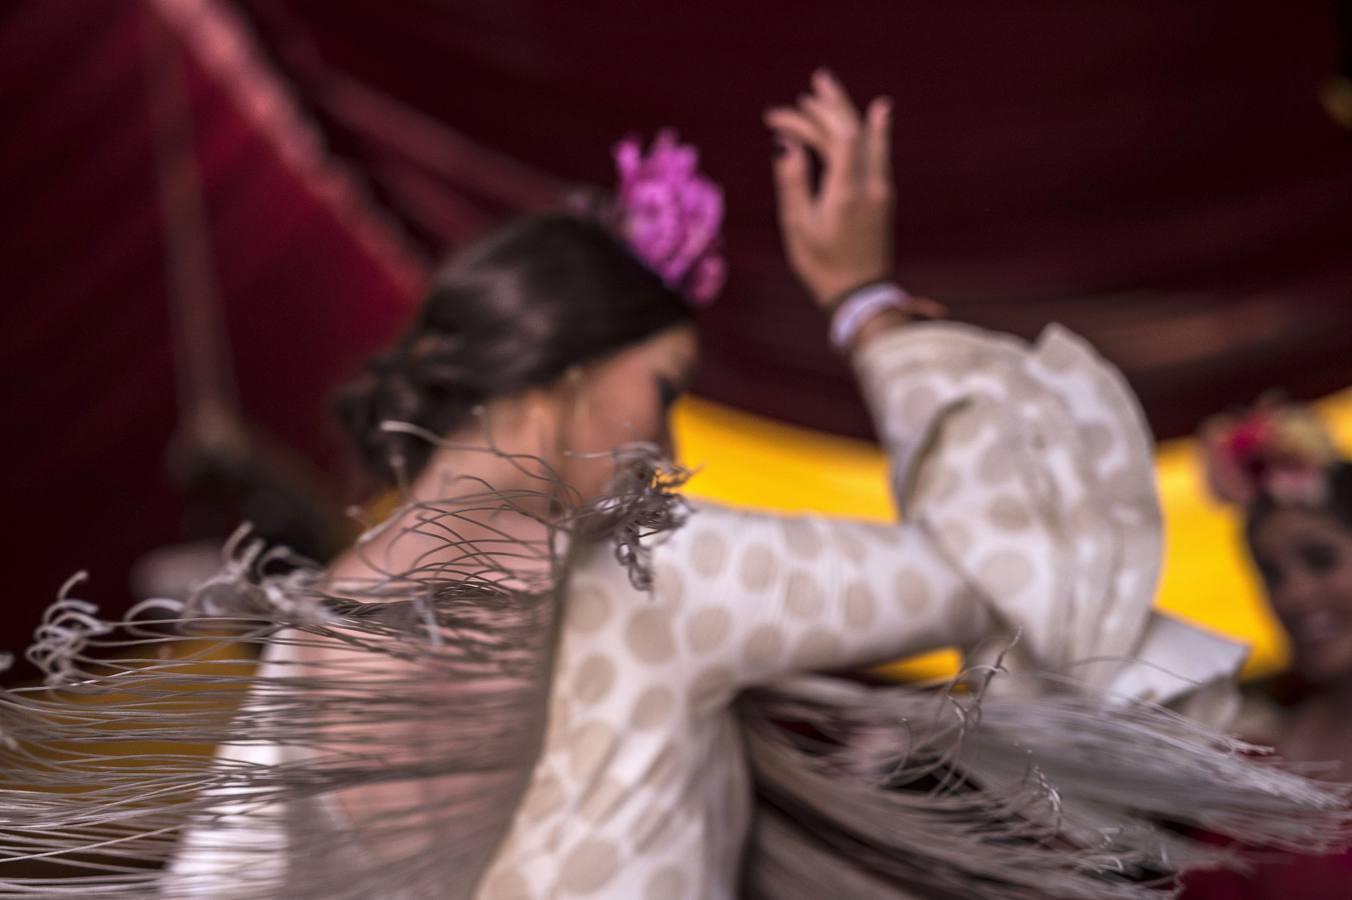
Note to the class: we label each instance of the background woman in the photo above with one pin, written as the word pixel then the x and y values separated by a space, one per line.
pixel 1280 467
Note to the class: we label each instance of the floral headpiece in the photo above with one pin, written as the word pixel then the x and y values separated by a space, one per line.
pixel 669 214
pixel 1277 449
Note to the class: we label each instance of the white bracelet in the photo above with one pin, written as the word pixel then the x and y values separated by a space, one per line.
pixel 861 306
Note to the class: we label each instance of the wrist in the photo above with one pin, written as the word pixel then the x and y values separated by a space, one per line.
pixel 882 322
pixel 863 311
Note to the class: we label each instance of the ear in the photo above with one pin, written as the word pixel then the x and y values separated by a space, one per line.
pixel 574 383
pixel 575 374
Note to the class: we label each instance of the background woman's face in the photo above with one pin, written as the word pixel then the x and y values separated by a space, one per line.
pixel 1305 558
pixel 624 398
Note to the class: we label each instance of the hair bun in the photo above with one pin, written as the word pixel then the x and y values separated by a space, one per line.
pixel 377 396
pixel 417 384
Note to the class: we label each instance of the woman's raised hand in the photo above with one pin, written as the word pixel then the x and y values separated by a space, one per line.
pixel 839 237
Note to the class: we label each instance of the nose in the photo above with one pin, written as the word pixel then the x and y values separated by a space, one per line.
pixel 1298 594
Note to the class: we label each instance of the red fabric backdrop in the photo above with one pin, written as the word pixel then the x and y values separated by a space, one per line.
pixel 1156 175
pixel 84 333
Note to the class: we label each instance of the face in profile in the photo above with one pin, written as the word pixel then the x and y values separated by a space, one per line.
pixel 1305 558
pixel 625 398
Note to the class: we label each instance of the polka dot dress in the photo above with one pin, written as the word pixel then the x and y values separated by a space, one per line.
pixel 642 791
pixel 1024 478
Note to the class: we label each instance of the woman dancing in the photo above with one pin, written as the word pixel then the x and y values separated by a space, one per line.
pixel 547 675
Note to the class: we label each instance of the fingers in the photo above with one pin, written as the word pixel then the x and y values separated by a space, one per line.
pixel 832 121
pixel 793 184
pixel 795 125
pixel 835 101
pixel 826 121
pixel 833 108
pixel 878 142
pixel 817 112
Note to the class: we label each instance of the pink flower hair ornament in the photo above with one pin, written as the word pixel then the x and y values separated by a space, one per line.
pixel 1277 450
pixel 669 213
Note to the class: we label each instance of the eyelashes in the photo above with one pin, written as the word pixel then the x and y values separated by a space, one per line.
pixel 1320 558
pixel 667 392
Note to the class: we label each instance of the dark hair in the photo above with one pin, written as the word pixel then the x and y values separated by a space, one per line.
pixel 511 311
pixel 1337 504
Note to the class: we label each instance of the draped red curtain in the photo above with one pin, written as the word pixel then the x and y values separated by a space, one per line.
pixel 85 356
pixel 1159 176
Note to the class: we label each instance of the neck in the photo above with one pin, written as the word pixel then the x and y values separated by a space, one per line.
pixel 451 517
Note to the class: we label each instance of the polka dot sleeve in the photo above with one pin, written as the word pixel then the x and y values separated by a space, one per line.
pixel 1030 466
pixel 767 595
pixel 1024 477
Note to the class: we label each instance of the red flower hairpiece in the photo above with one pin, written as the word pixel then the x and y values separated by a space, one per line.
pixel 1277 450
pixel 667 211
pixel 671 214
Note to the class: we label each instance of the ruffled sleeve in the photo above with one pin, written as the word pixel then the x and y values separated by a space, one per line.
pixel 1030 468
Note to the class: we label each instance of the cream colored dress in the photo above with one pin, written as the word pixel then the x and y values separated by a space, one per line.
pixel 1024 477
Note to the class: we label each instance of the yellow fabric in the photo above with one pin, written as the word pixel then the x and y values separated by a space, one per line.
pixel 747 460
